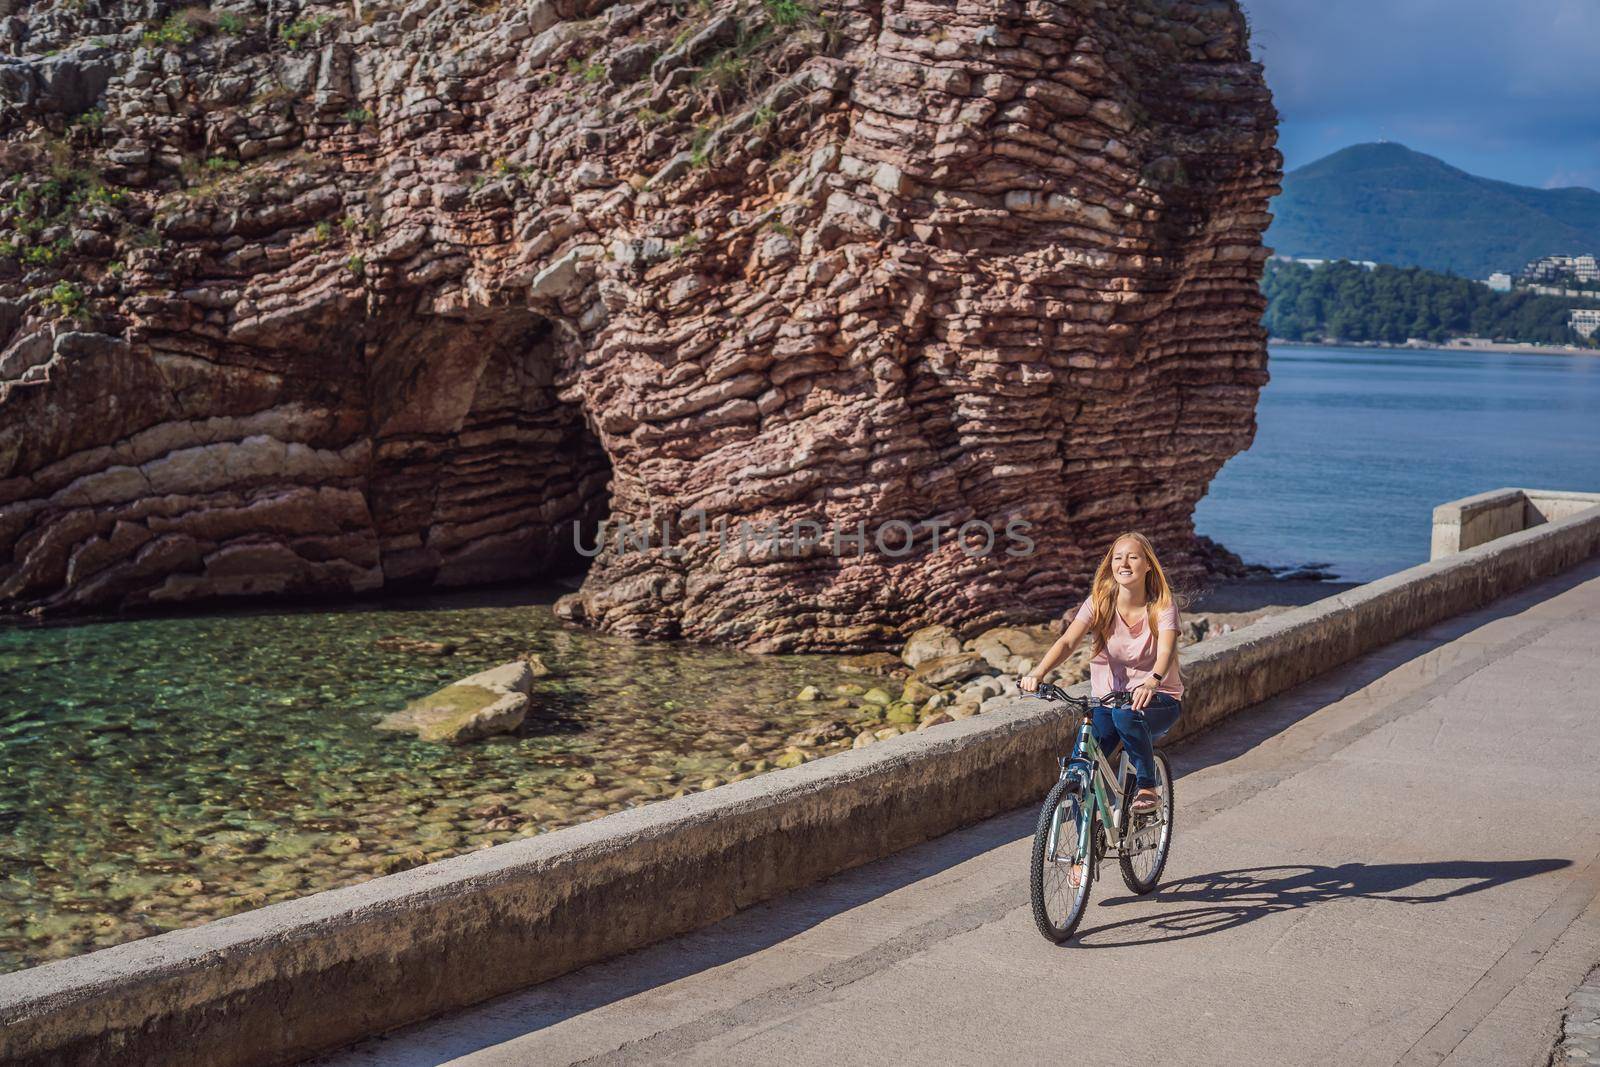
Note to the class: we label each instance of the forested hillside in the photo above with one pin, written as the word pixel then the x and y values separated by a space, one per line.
pixel 1386 203
pixel 1344 302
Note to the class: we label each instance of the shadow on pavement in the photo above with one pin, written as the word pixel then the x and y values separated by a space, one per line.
pixel 1212 903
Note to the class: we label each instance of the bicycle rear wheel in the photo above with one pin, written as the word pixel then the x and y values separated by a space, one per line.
pixel 1146 839
pixel 1063 869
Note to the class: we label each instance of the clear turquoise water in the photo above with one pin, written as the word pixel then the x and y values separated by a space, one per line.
pixel 1355 447
pixel 162 772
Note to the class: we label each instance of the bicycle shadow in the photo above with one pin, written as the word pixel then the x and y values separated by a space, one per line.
pixel 1224 900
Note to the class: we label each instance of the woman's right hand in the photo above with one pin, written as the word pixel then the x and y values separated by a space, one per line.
pixel 1028 683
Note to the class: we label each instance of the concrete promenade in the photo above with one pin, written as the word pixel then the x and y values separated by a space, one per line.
pixel 1395 863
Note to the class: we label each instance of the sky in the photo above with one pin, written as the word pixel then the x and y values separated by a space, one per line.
pixel 1508 89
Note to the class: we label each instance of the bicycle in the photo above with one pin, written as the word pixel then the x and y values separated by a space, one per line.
pixel 1084 815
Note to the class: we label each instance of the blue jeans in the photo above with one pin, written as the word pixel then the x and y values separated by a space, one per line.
pixel 1139 731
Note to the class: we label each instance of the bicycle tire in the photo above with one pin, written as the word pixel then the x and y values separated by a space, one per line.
pixel 1133 879
pixel 1059 932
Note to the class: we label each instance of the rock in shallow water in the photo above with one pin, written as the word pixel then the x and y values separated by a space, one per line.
pixel 930 642
pixel 490 702
pixel 947 669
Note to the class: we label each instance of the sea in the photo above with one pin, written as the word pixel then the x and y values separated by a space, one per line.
pixel 1354 447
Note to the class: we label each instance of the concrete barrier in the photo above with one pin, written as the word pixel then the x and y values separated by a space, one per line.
pixel 274 985
pixel 1476 520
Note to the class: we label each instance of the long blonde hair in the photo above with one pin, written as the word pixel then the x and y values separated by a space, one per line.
pixel 1103 592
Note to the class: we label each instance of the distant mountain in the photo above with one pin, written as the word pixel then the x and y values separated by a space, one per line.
pixel 1387 203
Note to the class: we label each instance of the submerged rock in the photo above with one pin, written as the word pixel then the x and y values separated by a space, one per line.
pixel 882 663
pixel 415 646
pixel 821 734
pixel 535 664
pixel 490 702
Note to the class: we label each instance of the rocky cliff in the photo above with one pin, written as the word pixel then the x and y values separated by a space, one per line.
pixel 311 298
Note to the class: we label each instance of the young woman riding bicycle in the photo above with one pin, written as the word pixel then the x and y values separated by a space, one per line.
pixel 1133 616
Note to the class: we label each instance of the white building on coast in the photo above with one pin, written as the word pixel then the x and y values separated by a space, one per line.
pixel 1364 264
pixel 1580 268
pixel 1584 321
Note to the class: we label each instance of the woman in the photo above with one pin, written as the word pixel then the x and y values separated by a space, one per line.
pixel 1134 619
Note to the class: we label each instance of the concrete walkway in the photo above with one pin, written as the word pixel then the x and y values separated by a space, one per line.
pixel 1397 863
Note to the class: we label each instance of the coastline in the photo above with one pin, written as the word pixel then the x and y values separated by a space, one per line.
pixel 1459 344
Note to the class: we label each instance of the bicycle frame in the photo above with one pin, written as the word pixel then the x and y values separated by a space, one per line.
pixel 1100 785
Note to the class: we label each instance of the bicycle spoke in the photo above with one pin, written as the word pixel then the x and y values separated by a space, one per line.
pixel 1066 867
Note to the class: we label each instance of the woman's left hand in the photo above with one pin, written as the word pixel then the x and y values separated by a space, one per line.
pixel 1142 693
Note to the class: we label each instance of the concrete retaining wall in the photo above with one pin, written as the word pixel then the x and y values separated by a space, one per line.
pixel 273 985
pixel 1477 520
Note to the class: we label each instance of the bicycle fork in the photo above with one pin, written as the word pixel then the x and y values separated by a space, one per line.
pixel 1084 827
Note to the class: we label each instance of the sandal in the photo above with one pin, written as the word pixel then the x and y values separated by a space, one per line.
pixel 1145 802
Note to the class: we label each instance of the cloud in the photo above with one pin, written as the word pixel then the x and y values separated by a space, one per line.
pixel 1563 178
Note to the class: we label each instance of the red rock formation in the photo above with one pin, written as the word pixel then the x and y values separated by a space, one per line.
pixel 396 297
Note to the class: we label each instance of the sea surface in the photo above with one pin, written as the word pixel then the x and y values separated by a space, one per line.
pixel 1354 448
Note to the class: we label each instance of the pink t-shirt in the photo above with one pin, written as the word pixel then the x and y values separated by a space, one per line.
pixel 1130 655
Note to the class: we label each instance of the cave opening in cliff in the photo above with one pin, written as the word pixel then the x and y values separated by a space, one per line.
pixel 578 517
pixel 485 471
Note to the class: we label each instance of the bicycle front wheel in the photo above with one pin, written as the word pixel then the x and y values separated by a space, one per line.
pixel 1063 861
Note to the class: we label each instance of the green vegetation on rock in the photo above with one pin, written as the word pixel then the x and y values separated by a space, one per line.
pixel 301 30
pixel 177 30
pixel 67 298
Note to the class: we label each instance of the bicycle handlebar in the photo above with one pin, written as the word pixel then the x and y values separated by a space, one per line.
pixel 1051 691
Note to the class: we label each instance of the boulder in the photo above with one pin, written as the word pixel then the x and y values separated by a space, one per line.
pixel 980 689
pixel 1004 643
pixel 947 669
pixel 445 392
pixel 930 642
pixel 490 702
pixel 821 734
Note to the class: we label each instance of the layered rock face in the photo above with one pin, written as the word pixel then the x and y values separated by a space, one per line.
pixel 336 298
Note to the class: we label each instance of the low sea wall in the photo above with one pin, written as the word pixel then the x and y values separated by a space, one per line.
pixel 1481 518
pixel 277 984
